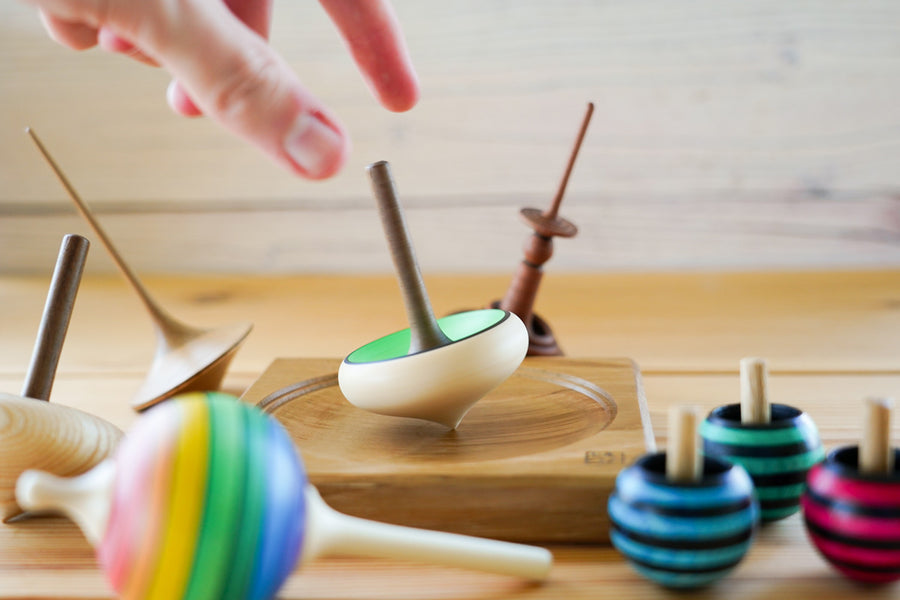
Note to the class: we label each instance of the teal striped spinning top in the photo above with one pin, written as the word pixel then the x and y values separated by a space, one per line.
pixel 777 454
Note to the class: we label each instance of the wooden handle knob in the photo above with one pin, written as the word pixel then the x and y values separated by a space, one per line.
pixel 85 499
pixel 683 461
pixel 754 391
pixel 876 457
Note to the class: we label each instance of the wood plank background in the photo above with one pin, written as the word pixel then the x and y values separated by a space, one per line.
pixel 741 135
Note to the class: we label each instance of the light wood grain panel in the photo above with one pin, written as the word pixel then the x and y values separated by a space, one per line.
pixel 763 134
pixel 702 322
pixel 481 234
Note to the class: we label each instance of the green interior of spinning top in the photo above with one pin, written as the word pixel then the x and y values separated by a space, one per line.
pixel 456 327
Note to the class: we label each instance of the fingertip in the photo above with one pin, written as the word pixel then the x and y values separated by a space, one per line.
pixel 111 42
pixel 401 98
pixel 316 146
pixel 180 102
pixel 74 35
pixel 372 32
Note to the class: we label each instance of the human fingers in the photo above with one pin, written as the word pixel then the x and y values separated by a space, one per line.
pixel 238 80
pixel 73 34
pixel 81 36
pixel 229 71
pixel 111 42
pixel 373 35
pixel 180 102
pixel 257 15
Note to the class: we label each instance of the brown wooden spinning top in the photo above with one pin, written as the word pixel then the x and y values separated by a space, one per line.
pixel 523 289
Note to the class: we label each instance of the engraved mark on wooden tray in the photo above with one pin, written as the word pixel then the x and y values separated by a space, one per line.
pixel 533 411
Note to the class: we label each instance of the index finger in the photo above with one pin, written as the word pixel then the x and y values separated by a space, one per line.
pixel 255 14
pixel 372 33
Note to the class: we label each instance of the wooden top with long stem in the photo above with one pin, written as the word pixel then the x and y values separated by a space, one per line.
pixel 172 329
pixel 187 358
pixel 55 319
pixel 425 333
pixel 548 223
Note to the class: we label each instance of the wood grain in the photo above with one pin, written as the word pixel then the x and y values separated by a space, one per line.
pixel 829 338
pixel 700 322
pixel 758 136
pixel 57 439
pixel 531 462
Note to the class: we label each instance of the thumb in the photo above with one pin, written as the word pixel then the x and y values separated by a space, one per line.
pixel 234 77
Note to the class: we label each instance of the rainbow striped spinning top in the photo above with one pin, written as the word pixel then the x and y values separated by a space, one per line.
pixel 208 503
pixel 208 499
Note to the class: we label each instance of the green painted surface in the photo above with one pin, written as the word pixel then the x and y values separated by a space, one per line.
pixel 753 437
pixel 455 327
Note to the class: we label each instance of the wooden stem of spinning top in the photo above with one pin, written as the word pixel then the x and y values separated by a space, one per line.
pixel 208 494
pixel 851 506
pixel 876 457
pixel 435 370
pixel 424 331
pixel 684 463
pixel 522 292
pixel 776 443
pixel 186 358
pixel 755 391
pixel 57 438
pixel 55 320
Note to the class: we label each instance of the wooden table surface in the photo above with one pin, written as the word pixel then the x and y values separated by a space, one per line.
pixel 831 338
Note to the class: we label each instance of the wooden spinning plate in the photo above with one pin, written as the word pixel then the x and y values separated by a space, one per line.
pixel 533 461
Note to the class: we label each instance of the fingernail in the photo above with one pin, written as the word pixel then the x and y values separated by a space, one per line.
pixel 313 145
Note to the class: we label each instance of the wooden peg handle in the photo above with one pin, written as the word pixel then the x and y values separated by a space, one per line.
pixel 55 319
pixel 754 392
pixel 683 461
pixel 330 533
pixel 876 457
pixel 85 499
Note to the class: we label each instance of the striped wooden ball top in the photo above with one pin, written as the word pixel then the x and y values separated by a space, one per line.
pixel 851 507
pixel 776 443
pixel 680 520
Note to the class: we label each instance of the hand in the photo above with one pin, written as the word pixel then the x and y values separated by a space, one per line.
pixel 223 66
